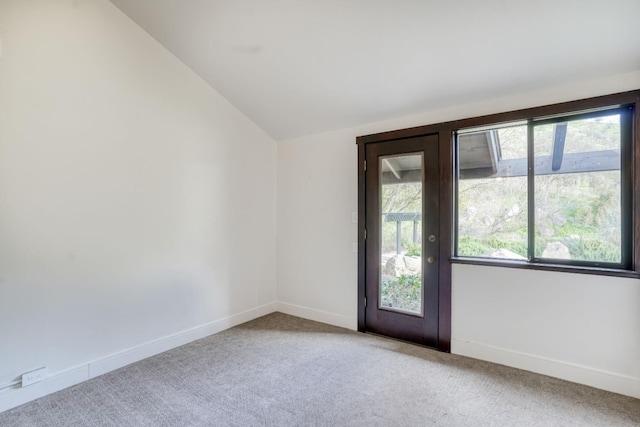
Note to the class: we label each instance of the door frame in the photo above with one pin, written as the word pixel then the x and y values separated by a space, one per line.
pixel 445 173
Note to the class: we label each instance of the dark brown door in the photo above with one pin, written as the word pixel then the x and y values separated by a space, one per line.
pixel 402 227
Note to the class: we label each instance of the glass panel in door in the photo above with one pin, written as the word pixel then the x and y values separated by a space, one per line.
pixel 401 200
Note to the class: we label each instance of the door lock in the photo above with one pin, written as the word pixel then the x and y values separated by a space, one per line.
pixel 432 238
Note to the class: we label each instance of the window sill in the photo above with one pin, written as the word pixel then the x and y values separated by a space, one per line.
pixel 599 271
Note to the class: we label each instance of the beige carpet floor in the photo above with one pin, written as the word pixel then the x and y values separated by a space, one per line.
pixel 280 370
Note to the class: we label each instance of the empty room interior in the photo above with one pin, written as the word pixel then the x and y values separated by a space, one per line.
pixel 305 212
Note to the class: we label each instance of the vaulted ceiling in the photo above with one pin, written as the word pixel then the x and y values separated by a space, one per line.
pixel 297 67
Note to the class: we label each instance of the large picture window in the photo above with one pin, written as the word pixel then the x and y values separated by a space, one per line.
pixel 553 190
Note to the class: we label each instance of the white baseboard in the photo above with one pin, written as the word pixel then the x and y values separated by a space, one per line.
pixel 605 380
pixel 151 348
pixel 318 315
pixel 12 397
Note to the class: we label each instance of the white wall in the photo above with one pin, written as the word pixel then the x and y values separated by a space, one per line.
pixel 582 328
pixel 317 194
pixel 137 206
pixel 578 327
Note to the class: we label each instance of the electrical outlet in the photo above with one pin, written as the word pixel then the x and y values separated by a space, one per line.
pixel 34 376
pixel 354 217
pixel 355 247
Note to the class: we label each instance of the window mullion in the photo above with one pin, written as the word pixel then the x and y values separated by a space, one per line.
pixel 530 193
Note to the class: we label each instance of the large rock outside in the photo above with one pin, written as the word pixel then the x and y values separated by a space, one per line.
pixel 503 254
pixel 399 265
pixel 556 250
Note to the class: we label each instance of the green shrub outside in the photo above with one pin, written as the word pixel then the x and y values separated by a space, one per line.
pixel 404 293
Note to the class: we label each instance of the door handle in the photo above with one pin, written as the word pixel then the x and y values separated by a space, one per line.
pixel 431 259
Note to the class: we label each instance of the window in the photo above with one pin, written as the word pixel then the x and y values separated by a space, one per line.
pixel 555 187
pixel 552 190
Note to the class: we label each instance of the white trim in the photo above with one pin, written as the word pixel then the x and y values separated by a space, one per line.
pixel 599 378
pixel 10 384
pixel 125 357
pixel 15 396
pixel 334 319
